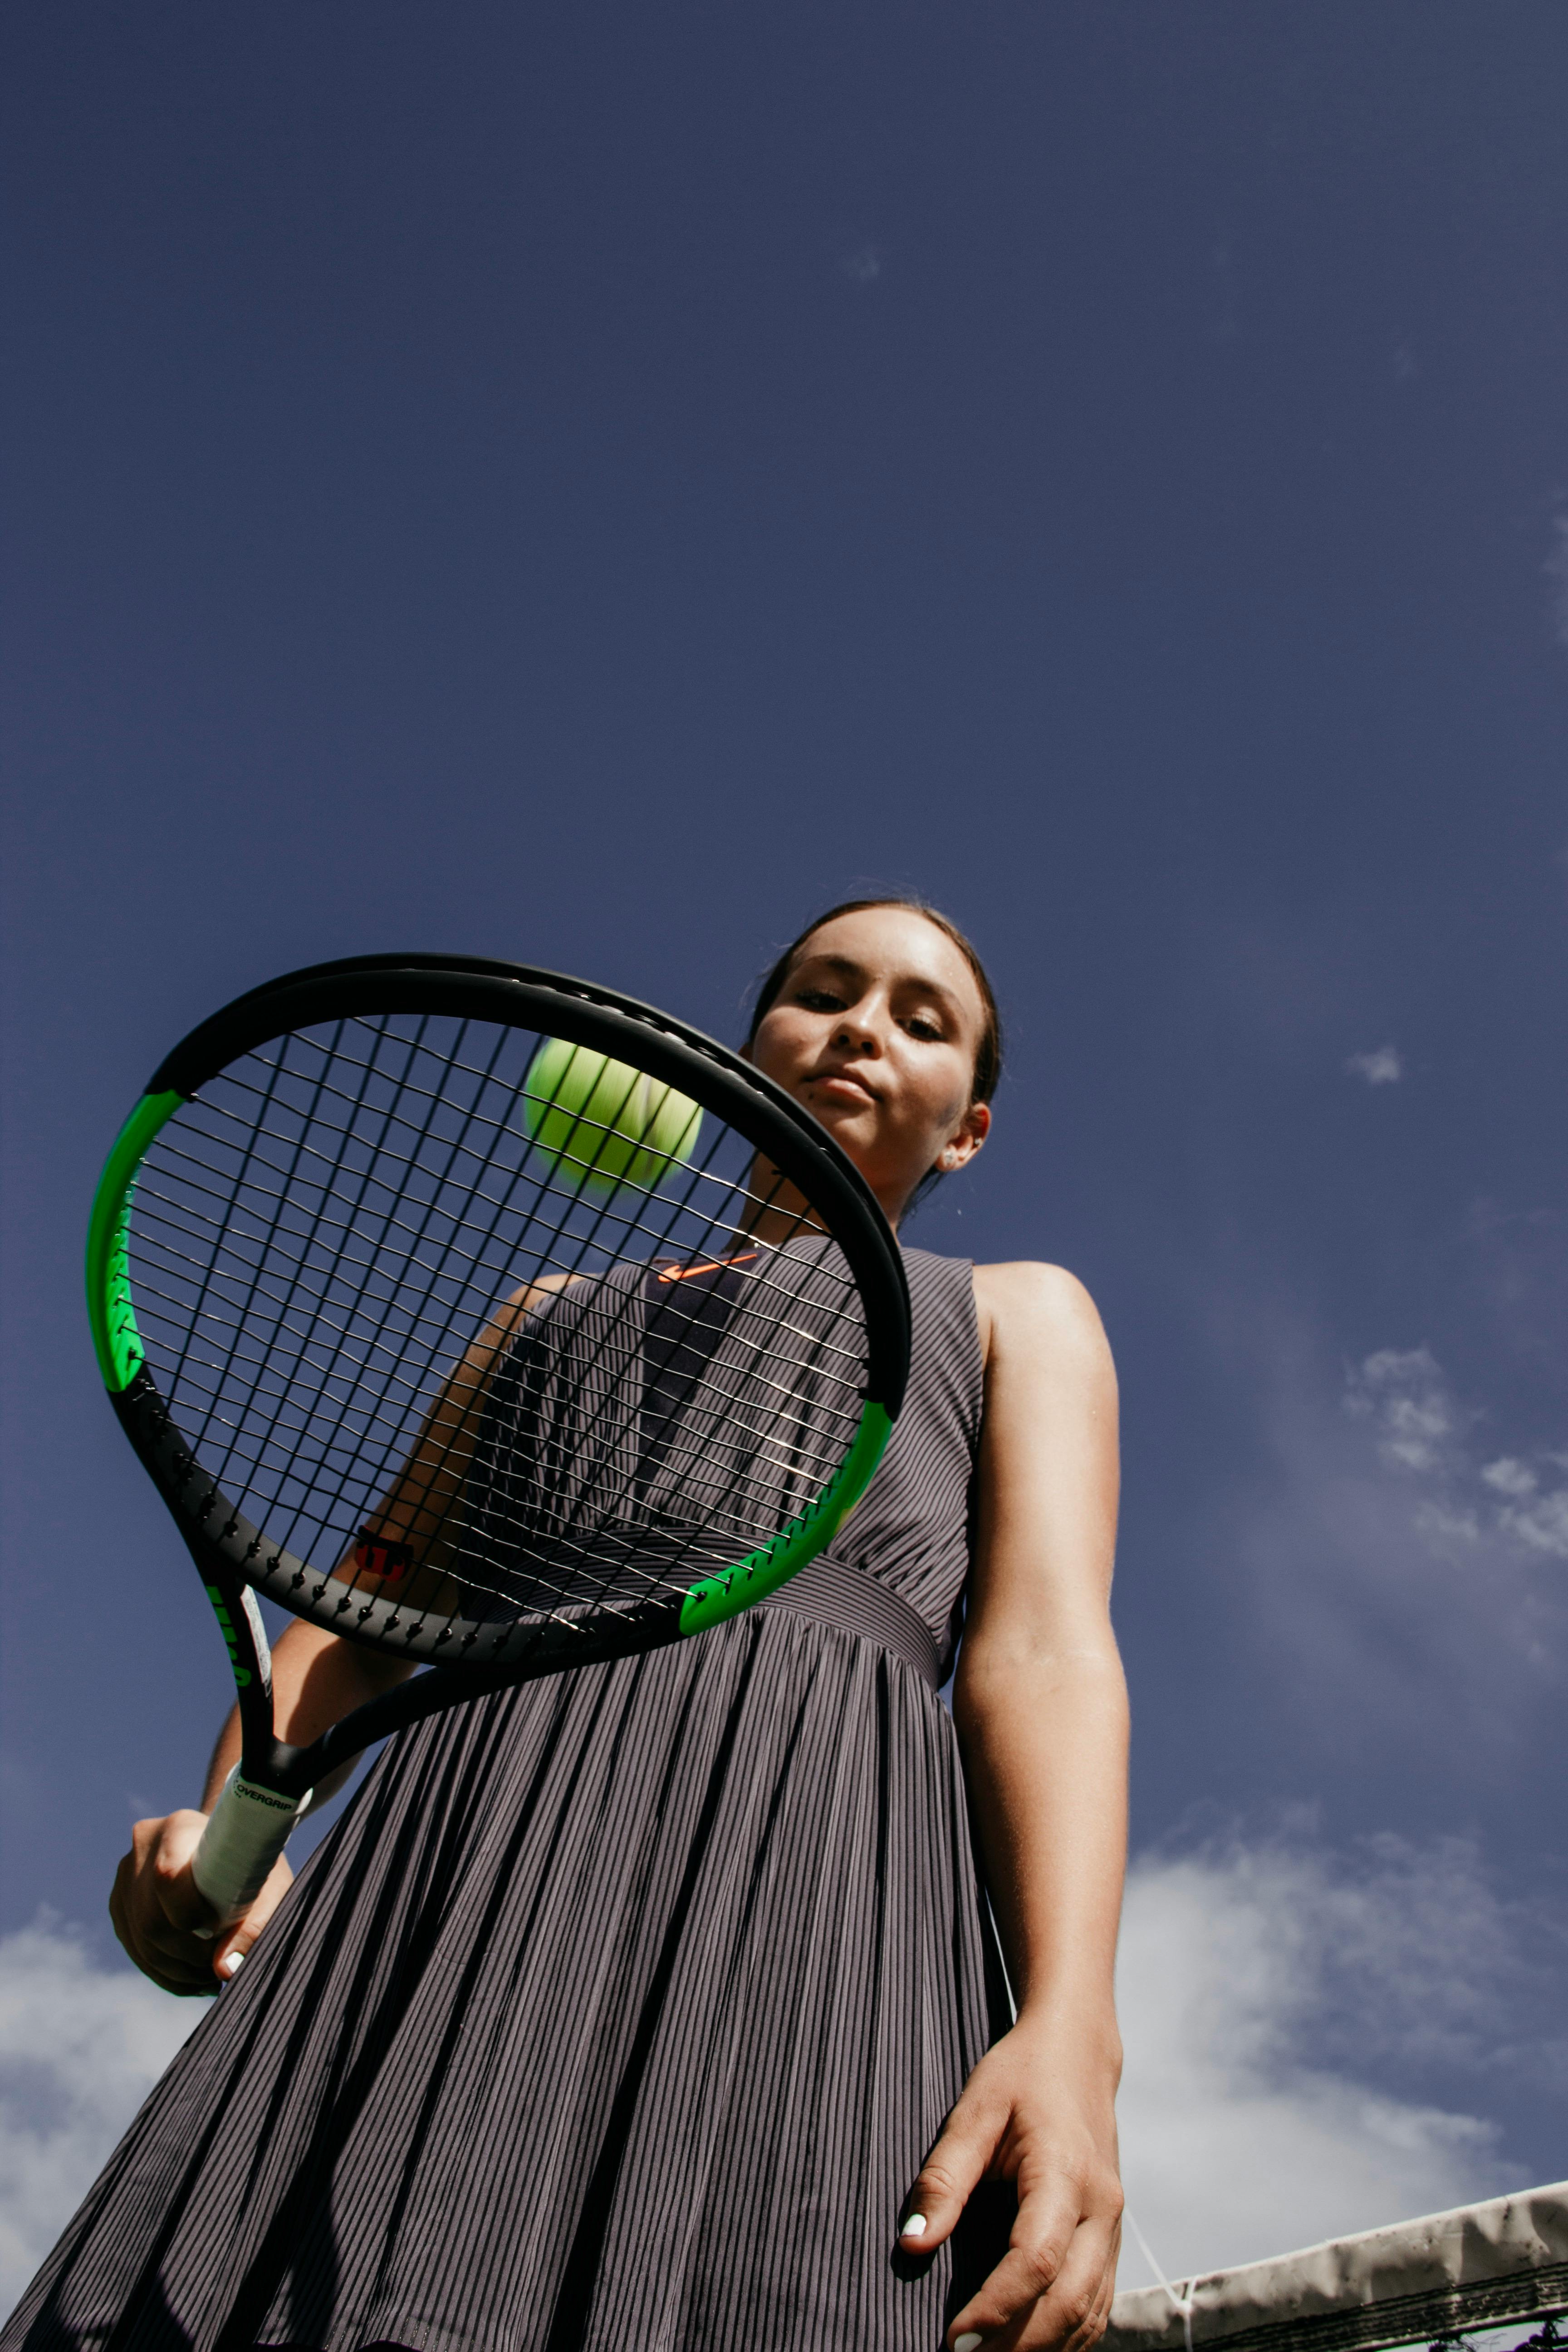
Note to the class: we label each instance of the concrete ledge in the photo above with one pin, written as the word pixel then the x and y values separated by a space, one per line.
pixel 1478 2266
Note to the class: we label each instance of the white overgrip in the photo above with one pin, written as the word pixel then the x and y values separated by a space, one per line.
pixel 247 1831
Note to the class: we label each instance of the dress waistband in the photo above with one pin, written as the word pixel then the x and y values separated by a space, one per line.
pixel 830 1593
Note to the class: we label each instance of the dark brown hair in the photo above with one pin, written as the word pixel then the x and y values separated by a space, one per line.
pixel 987 1053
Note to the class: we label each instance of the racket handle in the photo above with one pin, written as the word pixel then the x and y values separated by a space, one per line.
pixel 247 1831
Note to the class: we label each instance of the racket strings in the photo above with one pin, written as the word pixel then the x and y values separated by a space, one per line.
pixel 796 1460
pixel 285 1191
pixel 210 1274
pixel 333 1224
pixel 701 1477
pixel 732 1232
pixel 846 1419
pixel 632 1225
pixel 500 1127
pixel 439 1179
pixel 353 1202
pixel 846 1414
pixel 581 1121
pixel 415 1501
pixel 604 1128
pixel 330 1447
pixel 703 1481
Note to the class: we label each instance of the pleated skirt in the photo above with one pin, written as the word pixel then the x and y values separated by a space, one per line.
pixel 617 2013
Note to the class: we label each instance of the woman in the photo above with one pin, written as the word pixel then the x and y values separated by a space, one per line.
pixel 620 2010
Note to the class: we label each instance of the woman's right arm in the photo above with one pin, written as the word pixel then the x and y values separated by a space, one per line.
pixel 156 1910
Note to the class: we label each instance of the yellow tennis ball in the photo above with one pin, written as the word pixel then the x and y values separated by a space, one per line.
pixel 603 1124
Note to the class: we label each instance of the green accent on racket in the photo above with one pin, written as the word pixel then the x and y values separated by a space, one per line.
pixel 110 1309
pixel 762 1572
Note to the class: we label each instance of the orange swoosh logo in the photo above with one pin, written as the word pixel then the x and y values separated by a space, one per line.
pixel 713 1266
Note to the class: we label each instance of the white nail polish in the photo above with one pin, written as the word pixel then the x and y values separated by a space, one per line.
pixel 969 2342
pixel 915 2227
pixel 229 1964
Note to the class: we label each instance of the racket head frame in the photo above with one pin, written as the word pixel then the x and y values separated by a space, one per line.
pixel 232 1555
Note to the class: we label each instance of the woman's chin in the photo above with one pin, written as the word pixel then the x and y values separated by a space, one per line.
pixel 853 1130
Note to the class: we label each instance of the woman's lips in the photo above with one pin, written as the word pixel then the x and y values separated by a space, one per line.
pixel 841 1086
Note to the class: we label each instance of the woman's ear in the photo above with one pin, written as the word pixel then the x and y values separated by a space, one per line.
pixel 960 1148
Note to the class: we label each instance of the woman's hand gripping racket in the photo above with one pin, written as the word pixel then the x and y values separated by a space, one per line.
pixel 488 1318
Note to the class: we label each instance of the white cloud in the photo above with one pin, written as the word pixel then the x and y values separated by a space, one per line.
pixel 1381 1068
pixel 1420 1430
pixel 1509 1477
pixel 1260 1986
pixel 1541 1525
pixel 1403 1393
pixel 80 2046
pixel 1537 1520
pixel 1417 1600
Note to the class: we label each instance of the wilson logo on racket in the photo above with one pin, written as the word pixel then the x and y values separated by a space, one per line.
pixel 382 1556
pixel 225 1626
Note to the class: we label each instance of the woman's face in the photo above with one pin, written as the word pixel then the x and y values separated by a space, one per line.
pixel 875 1030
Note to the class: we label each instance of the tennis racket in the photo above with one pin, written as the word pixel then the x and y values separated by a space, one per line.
pixel 486 1318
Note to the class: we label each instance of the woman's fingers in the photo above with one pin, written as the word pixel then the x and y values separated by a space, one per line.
pixel 950 2172
pixel 161 1917
pixel 178 1961
pixel 1053 2324
pixel 178 1965
pixel 1050 2292
pixel 164 1920
pixel 1074 2316
pixel 232 1945
pixel 1037 2112
pixel 1099 2319
pixel 1032 2267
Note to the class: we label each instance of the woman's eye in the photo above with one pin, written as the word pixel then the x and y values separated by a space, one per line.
pixel 819 999
pixel 928 1031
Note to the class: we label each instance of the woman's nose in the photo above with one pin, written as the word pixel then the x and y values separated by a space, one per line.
pixel 858 1027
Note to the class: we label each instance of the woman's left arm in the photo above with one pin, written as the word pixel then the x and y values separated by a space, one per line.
pixel 1041 1708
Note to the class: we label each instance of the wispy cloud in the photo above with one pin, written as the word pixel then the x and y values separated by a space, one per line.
pixel 1556 570
pixel 861 262
pixel 1419 1601
pixel 1421 1431
pixel 1401 1393
pixel 1264 1988
pixel 1535 1517
pixel 1382 1067
pixel 80 2046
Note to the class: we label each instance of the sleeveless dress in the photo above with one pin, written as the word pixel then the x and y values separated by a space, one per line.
pixel 617 2012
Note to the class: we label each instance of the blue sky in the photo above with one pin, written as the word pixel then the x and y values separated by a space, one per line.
pixel 592 487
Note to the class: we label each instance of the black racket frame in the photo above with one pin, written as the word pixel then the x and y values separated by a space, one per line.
pixel 232 1556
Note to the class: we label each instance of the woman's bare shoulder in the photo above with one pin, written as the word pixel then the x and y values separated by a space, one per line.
pixel 1025 1304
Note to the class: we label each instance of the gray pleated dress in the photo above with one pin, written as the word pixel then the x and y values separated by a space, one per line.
pixel 618 2011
